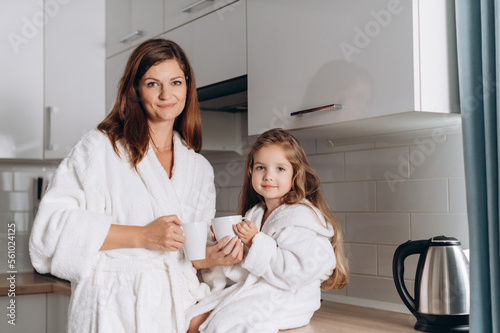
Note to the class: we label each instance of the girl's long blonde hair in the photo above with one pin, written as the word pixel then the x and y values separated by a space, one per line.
pixel 305 185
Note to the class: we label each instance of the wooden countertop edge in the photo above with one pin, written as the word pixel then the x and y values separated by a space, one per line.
pixel 32 283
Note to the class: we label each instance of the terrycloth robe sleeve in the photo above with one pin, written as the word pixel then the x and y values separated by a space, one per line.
pixel 70 226
pixel 297 252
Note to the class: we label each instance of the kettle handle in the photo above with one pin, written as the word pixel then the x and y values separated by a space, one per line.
pixel 398 269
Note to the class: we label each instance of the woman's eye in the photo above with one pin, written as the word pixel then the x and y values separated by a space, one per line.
pixel 177 83
pixel 151 84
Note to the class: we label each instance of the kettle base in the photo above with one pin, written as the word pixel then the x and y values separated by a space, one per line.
pixel 442 323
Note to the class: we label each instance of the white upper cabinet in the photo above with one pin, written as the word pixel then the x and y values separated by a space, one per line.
pixel 53 76
pixel 179 12
pixel 369 58
pixel 130 22
pixel 215 44
pixel 74 74
pixel 21 87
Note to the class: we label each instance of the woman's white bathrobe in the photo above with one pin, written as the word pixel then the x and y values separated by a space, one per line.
pixel 278 282
pixel 123 290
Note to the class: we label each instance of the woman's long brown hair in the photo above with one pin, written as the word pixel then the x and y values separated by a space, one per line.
pixel 127 121
pixel 305 185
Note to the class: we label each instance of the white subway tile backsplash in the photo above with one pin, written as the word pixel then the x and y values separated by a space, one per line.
pixel 330 167
pixel 431 160
pixel 234 195
pixel 349 197
pixel 23 181
pixel 458 202
pixel 23 221
pixel 427 195
pixel 377 228
pixel 372 287
pixel 425 226
pixel 309 145
pixel 385 258
pixel 222 198
pixel 5 218
pixel 362 258
pixel 331 146
pixel 15 201
pixel 375 164
pixel 6 181
pixel 229 173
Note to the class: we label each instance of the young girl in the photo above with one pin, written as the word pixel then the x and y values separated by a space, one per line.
pixel 293 245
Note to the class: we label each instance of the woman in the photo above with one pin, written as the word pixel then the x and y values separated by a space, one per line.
pixel 110 221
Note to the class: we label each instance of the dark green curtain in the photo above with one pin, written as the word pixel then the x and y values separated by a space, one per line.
pixel 478 42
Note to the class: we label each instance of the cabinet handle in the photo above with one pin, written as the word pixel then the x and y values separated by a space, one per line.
pixel 126 38
pixel 48 128
pixel 188 9
pixel 321 108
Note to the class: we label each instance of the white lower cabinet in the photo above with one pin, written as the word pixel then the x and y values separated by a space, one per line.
pixel 28 312
pixel 373 59
pixel 57 313
pixel 37 313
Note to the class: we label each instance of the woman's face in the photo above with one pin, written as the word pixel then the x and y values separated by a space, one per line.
pixel 163 90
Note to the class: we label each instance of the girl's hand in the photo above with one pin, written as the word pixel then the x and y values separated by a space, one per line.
pixel 220 255
pixel 245 231
pixel 163 234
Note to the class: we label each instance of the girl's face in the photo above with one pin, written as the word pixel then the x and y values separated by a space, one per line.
pixel 163 91
pixel 272 174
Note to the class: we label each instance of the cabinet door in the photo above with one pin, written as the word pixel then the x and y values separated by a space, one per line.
pixel 21 87
pixel 29 311
pixel 74 74
pixel 363 55
pixel 216 47
pixel 57 312
pixel 179 12
pixel 114 71
pixel 130 22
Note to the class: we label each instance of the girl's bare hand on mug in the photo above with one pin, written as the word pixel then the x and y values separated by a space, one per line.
pixel 163 234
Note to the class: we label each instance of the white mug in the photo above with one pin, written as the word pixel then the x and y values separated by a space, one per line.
pixel 196 240
pixel 223 226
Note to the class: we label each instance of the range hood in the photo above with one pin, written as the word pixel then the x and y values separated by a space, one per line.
pixel 225 96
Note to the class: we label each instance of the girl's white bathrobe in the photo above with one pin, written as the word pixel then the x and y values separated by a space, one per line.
pixel 278 282
pixel 123 290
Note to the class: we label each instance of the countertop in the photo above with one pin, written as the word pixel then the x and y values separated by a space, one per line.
pixel 33 283
pixel 331 317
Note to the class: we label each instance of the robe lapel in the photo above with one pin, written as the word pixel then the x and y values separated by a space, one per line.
pixel 164 198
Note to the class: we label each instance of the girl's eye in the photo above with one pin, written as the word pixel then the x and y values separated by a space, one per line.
pixel 281 169
pixel 259 167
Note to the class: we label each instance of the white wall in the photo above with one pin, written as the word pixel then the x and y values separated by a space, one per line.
pixel 384 191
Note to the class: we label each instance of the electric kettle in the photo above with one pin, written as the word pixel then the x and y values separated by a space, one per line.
pixel 441 298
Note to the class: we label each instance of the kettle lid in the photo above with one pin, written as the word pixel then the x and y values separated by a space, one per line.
pixel 443 241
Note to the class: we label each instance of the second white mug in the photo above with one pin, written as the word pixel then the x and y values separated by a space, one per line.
pixel 223 226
